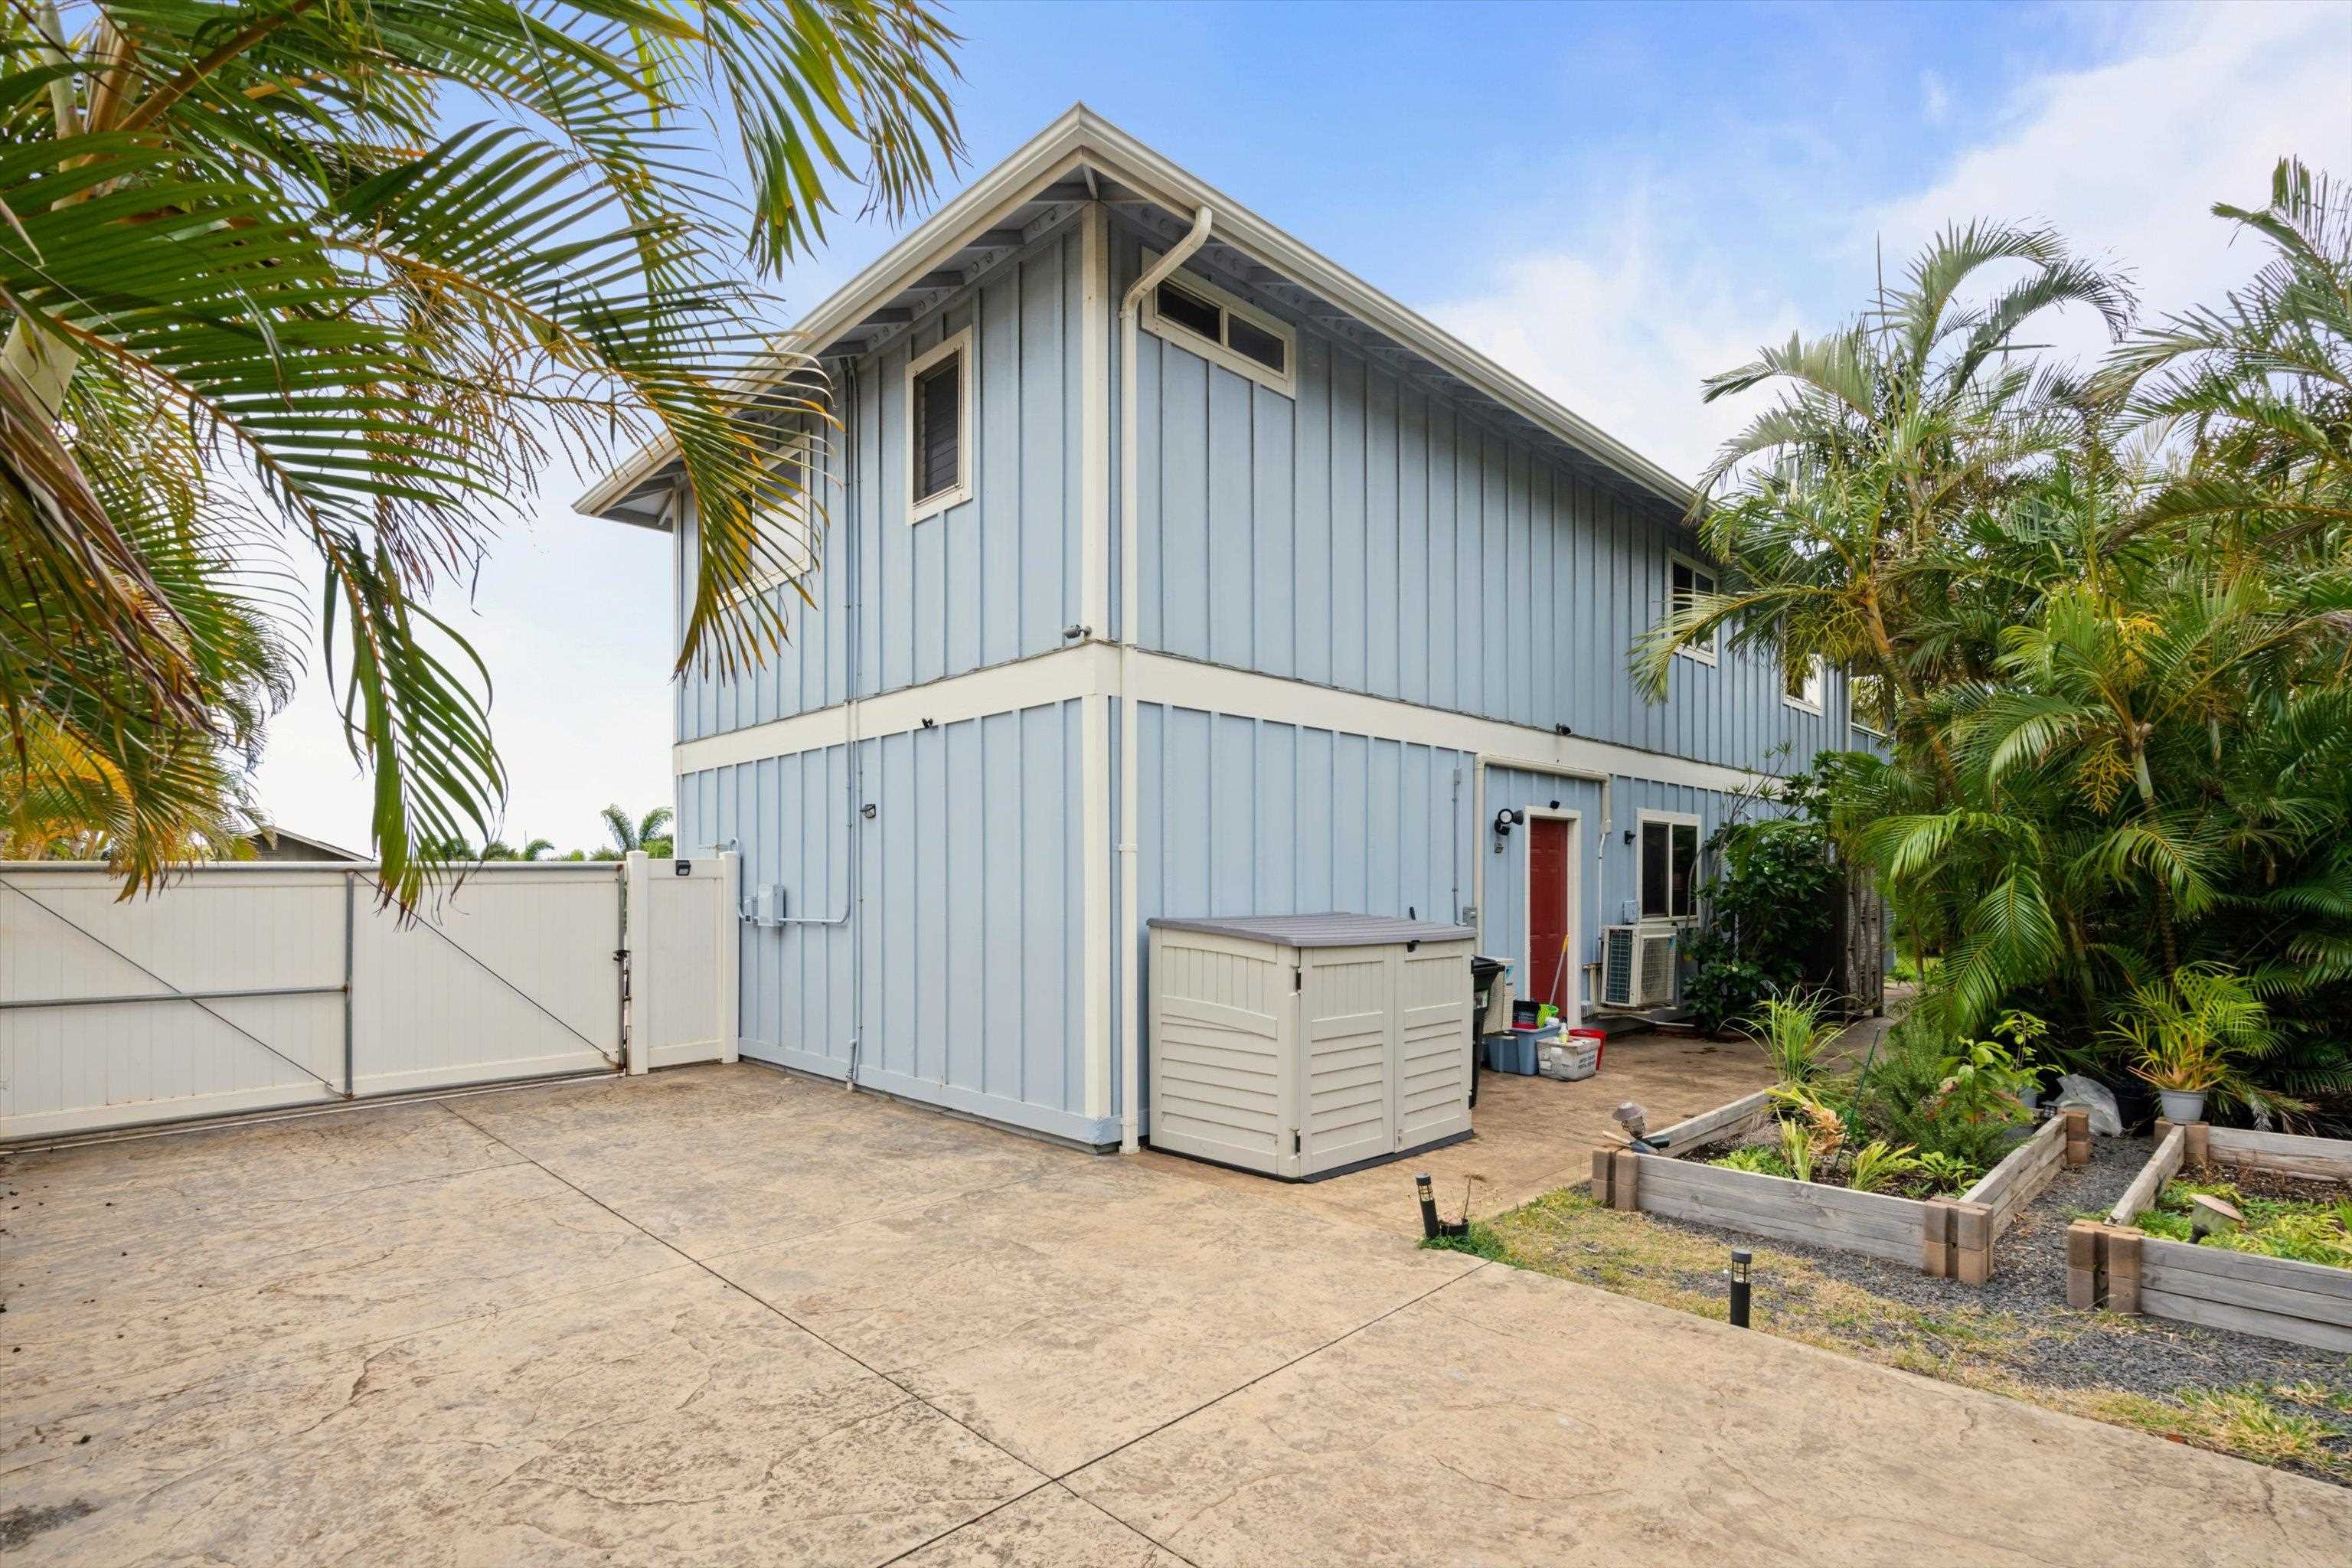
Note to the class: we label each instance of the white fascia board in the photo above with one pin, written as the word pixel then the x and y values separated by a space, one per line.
pixel 1092 668
pixel 1080 136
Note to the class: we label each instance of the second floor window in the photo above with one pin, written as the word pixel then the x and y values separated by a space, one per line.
pixel 783 541
pixel 939 427
pixel 1223 329
pixel 1687 582
pixel 1805 691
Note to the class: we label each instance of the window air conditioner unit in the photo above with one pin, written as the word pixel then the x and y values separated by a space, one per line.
pixel 1637 967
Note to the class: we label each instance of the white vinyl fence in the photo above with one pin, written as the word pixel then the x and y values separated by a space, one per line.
pixel 268 984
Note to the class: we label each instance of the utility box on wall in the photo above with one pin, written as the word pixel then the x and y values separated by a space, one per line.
pixel 1298 1045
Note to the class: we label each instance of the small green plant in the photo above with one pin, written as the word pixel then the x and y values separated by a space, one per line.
pixel 1759 1161
pixel 1479 1241
pixel 1878 1165
pixel 1984 1083
pixel 1799 1149
pixel 1789 1029
pixel 1949 1171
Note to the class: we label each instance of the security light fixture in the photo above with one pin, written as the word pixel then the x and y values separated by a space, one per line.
pixel 1504 821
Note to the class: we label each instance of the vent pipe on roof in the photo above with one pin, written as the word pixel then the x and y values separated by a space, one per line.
pixel 1130 794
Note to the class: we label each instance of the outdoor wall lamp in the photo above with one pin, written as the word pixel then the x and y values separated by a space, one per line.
pixel 1504 819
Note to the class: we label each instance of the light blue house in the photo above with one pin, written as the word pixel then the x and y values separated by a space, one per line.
pixel 1171 569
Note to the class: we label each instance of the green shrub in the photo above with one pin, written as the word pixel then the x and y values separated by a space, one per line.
pixel 1948 1171
pixel 1913 1092
pixel 1762 1161
pixel 1769 911
pixel 1879 1166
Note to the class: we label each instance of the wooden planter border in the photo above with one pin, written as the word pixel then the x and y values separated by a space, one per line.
pixel 2118 1266
pixel 1948 1238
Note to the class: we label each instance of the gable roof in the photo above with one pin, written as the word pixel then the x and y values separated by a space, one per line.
pixel 1082 157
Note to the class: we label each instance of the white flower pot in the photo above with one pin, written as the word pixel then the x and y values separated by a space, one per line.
pixel 2182 1104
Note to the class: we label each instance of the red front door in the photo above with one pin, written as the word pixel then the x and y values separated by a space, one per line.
pixel 1547 908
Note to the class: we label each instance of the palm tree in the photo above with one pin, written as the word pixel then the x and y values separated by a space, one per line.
pixel 1846 509
pixel 344 277
pixel 2263 385
pixel 644 833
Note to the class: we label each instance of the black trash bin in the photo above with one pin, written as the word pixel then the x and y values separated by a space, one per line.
pixel 1483 972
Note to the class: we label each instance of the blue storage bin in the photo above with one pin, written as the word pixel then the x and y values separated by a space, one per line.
pixel 1515 1051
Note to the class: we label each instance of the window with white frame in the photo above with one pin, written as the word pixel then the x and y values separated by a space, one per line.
pixel 1669 866
pixel 1195 313
pixel 1688 583
pixel 1805 691
pixel 939 427
pixel 784 539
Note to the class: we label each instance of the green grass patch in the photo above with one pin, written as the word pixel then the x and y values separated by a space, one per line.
pixel 1478 1241
pixel 2271 1425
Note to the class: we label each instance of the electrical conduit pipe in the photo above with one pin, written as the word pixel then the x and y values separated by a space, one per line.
pixel 1130 792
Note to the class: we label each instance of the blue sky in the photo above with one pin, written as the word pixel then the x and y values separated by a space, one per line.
pixel 1612 200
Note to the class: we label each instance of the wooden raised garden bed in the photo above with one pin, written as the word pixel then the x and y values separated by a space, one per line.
pixel 2116 1265
pixel 1948 1238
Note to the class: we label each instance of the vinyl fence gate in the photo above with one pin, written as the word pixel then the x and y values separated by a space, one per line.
pixel 265 985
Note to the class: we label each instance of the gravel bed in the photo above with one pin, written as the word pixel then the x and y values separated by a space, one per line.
pixel 2083 1349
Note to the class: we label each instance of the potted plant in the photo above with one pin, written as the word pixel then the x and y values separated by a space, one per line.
pixel 2183 1034
pixel 2181 1069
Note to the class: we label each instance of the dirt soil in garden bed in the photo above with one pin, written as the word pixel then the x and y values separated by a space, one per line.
pixel 2260 1399
pixel 2256 1183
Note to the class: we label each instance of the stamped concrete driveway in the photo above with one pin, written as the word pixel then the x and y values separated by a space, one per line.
pixel 723 1316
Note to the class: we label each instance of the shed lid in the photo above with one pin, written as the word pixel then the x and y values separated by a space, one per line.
pixel 1331 930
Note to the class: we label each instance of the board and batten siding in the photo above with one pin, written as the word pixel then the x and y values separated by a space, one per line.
pixel 983 583
pixel 1370 536
pixel 1249 816
pixel 971 900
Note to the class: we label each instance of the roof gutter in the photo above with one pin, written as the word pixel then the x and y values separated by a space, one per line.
pixel 1130 805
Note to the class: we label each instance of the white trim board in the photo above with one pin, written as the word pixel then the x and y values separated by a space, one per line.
pixel 1091 669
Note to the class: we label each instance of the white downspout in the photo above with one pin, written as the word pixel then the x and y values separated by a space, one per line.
pixel 1130 789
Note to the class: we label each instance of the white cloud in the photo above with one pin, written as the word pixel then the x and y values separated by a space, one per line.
pixel 1623 333
pixel 1934 98
pixel 2125 159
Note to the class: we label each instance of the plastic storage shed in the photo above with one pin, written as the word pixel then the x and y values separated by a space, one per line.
pixel 1301 1045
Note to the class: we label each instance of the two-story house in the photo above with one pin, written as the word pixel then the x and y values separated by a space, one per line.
pixel 1171 569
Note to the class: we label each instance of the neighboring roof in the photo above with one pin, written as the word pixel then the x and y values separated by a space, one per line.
pixel 1322 930
pixel 311 848
pixel 1082 157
